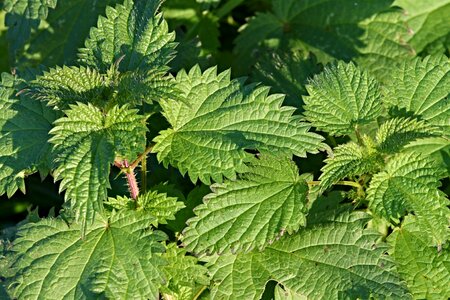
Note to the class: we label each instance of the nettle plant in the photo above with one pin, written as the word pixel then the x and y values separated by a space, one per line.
pixel 375 224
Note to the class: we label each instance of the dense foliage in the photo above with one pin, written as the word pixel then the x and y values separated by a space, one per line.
pixel 154 170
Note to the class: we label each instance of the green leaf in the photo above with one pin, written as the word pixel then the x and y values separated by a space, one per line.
pixel 425 20
pixel 349 160
pixel 220 119
pixel 341 98
pixel 86 142
pixel 420 86
pixel 24 127
pixel 116 259
pixel 158 205
pixel 22 17
pixel 331 260
pixel 184 276
pixel 410 183
pixel 395 133
pixel 253 211
pixel 131 31
pixel 425 269
pixel 438 148
pixel 57 40
pixel 287 73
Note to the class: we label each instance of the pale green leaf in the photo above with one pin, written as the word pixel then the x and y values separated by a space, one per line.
pixel 331 260
pixel 438 148
pixel 253 211
pixel 220 119
pixel 22 17
pixel 24 131
pixel 421 87
pixel 86 142
pixel 395 133
pixel 132 31
pixel 425 269
pixel 410 183
pixel 349 160
pixel 118 258
pixel 341 98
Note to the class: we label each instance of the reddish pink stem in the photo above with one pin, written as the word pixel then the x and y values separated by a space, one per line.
pixel 131 178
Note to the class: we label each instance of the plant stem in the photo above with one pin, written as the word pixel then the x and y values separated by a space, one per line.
pixel 343 182
pixel 199 293
pixel 143 155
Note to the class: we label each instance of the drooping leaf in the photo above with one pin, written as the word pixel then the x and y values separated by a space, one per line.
pixel 133 31
pixel 22 17
pixel 421 86
pixel 184 275
pixel 349 160
pixel 341 98
pixel 220 119
pixel 86 142
pixel 425 269
pixel 24 131
pixel 410 183
pixel 395 133
pixel 330 260
pixel 118 258
pixel 158 205
pixel 253 211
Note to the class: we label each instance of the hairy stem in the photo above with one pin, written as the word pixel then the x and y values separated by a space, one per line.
pixel 130 176
pixel 342 182
pixel 143 155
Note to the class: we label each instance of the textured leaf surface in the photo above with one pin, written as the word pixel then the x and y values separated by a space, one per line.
pixel 437 148
pixel 24 127
pixel 220 119
pixel 395 133
pixel 422 87
pixel 425 269
pixel 158 205
pixel 22 17
pixel 131 30
pixel 86 142
pixel 253 211
pixel 349 160
pixel 425 20
pixel 330 260
pixel 116 259
pixel 341 98
pixel 410 183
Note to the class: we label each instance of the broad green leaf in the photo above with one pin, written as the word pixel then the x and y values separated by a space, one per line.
pixel 410 183
pixel 425 18
pixel 341 98
pixel 118 258
pixel 286 294
pixel 421 87
pixel 184 275
pixel 425 269
pixel 349 160
pixel 158 205
pixel 24 131
pixel 220 119
pixel 331 260
pixel 253 211
pixel 437 148
pixel 287 73
pixel 57 40
pixel 395 133
pixel 132 31
pixel 86 142
pixel 22 17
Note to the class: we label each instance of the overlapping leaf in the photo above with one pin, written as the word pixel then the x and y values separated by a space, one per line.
pixel 421 86
pixel 425 268
pixel 220 119
pixel 118 258
pixel 341 98
pixel 330 260
pixel 410 183
pixel 24 127
pixel 86 142
pixel 133 31
pixel 253 211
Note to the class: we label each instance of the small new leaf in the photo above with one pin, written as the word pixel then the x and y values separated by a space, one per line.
pixel 253 211
pixel 341 98
pixel 220 120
